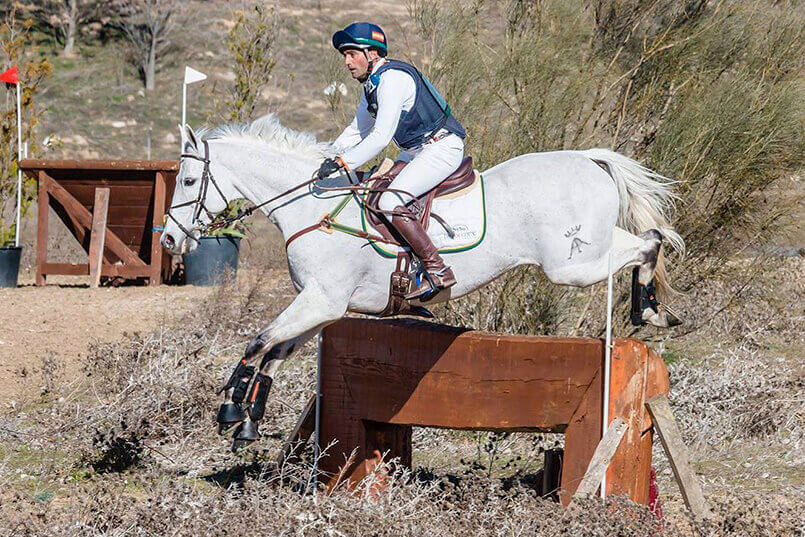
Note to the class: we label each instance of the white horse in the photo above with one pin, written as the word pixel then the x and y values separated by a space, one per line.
pixel 537 205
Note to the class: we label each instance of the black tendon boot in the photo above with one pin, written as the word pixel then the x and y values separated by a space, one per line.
pixel 643 297
pixel 247 432
pixel 231 411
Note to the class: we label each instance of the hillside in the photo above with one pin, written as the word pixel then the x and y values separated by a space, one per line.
pixel 98 107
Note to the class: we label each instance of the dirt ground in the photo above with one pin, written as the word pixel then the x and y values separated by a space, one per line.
pixel 63 318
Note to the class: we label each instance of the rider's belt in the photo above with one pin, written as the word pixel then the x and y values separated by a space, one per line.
pixel 438 136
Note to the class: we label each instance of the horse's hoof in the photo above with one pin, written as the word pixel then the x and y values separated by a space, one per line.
pixel 239 445
pixel 229 415
pixel 245 434
pixel 664 317
pixel 671 318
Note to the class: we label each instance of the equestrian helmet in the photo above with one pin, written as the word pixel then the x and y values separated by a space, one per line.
pixel 361 35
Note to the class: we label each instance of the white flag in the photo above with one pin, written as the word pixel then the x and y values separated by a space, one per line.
pixel 191 75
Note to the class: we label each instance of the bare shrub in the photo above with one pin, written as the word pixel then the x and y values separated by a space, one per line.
pixel 718 401
pixel 65 18
pixel 159 389
pixel 148 504
pixel 525 302
pixel 148 26
pixel 252 42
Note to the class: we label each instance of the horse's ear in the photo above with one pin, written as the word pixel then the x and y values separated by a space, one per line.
pixel 189 140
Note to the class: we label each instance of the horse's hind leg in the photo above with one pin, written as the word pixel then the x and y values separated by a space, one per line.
pixel 628 250
pixel 646 309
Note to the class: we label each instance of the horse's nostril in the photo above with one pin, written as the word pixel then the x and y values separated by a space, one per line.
pixel 168 241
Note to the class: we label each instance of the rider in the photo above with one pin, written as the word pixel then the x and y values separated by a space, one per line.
pixel 399 103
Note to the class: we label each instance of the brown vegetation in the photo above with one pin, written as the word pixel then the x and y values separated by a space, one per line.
pixel 15 38
pixel 136 448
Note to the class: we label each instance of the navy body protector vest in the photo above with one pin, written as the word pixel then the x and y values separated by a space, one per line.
pixel 429 114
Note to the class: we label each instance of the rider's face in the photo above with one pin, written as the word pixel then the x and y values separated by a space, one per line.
pixel 357 63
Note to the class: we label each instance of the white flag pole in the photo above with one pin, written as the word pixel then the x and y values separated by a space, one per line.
pixel 191 76
pixel 607 363
pixel 19 171
pixel 184 106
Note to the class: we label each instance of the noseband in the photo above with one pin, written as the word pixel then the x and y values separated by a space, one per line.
pixel 199 202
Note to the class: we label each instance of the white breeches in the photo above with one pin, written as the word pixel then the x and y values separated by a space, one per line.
pixel 428 166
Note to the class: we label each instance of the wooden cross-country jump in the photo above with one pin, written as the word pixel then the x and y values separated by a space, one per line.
pixel 114 208
pixel 378 379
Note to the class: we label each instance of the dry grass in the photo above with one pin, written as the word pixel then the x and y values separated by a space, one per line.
pixel 136 452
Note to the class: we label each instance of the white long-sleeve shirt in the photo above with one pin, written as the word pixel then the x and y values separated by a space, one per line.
pixel 366 137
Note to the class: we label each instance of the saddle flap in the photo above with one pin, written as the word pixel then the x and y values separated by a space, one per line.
pixel 463 177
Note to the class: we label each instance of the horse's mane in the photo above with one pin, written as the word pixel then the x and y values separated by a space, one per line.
pixel 268 129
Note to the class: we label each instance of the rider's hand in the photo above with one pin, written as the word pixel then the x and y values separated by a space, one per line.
pixel 328 167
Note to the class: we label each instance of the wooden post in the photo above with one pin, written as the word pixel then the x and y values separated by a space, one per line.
pixel 97 238
pixel 156 230
pixel 299 435
pixel 581 436
pixel 42 229
pixel 677 453
pixel 601 459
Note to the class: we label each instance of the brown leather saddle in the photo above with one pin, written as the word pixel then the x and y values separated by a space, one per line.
pixel 463 177
pixel 401 279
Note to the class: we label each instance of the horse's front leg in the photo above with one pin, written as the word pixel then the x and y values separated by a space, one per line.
pixel 247 393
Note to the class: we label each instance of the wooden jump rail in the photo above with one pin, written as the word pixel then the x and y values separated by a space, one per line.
pixel 120 229
pixel 378 379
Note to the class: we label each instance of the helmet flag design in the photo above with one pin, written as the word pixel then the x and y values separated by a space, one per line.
pixel 363 36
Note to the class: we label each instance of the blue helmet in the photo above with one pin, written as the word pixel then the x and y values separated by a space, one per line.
pixel 361 35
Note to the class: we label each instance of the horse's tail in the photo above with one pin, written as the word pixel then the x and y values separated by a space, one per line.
pixel 646 199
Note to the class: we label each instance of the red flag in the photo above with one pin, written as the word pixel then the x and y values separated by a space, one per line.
pixel 12 76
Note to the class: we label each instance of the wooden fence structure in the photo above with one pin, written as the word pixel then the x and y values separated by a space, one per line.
pixel 378 379
pixel 119 229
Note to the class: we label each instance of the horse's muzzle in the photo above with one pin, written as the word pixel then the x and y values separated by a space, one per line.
pixel 168 242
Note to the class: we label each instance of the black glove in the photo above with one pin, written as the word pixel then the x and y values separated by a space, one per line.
pixel 328 167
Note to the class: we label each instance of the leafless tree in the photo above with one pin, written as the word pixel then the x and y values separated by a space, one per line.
pixel 147 25
pixel 65 17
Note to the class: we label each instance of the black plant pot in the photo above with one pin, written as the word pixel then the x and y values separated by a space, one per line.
pixel 214 257
pixel 9 265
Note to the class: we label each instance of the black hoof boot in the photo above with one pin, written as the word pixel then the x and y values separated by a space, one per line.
pixel 229 415
pixel 636 312
pixel 245 434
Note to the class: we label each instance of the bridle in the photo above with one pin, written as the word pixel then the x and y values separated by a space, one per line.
pixel 206 179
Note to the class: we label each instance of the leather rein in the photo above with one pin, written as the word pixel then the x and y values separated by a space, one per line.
pixel 325 222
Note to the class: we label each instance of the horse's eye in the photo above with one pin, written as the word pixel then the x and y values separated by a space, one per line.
pixel 189 181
